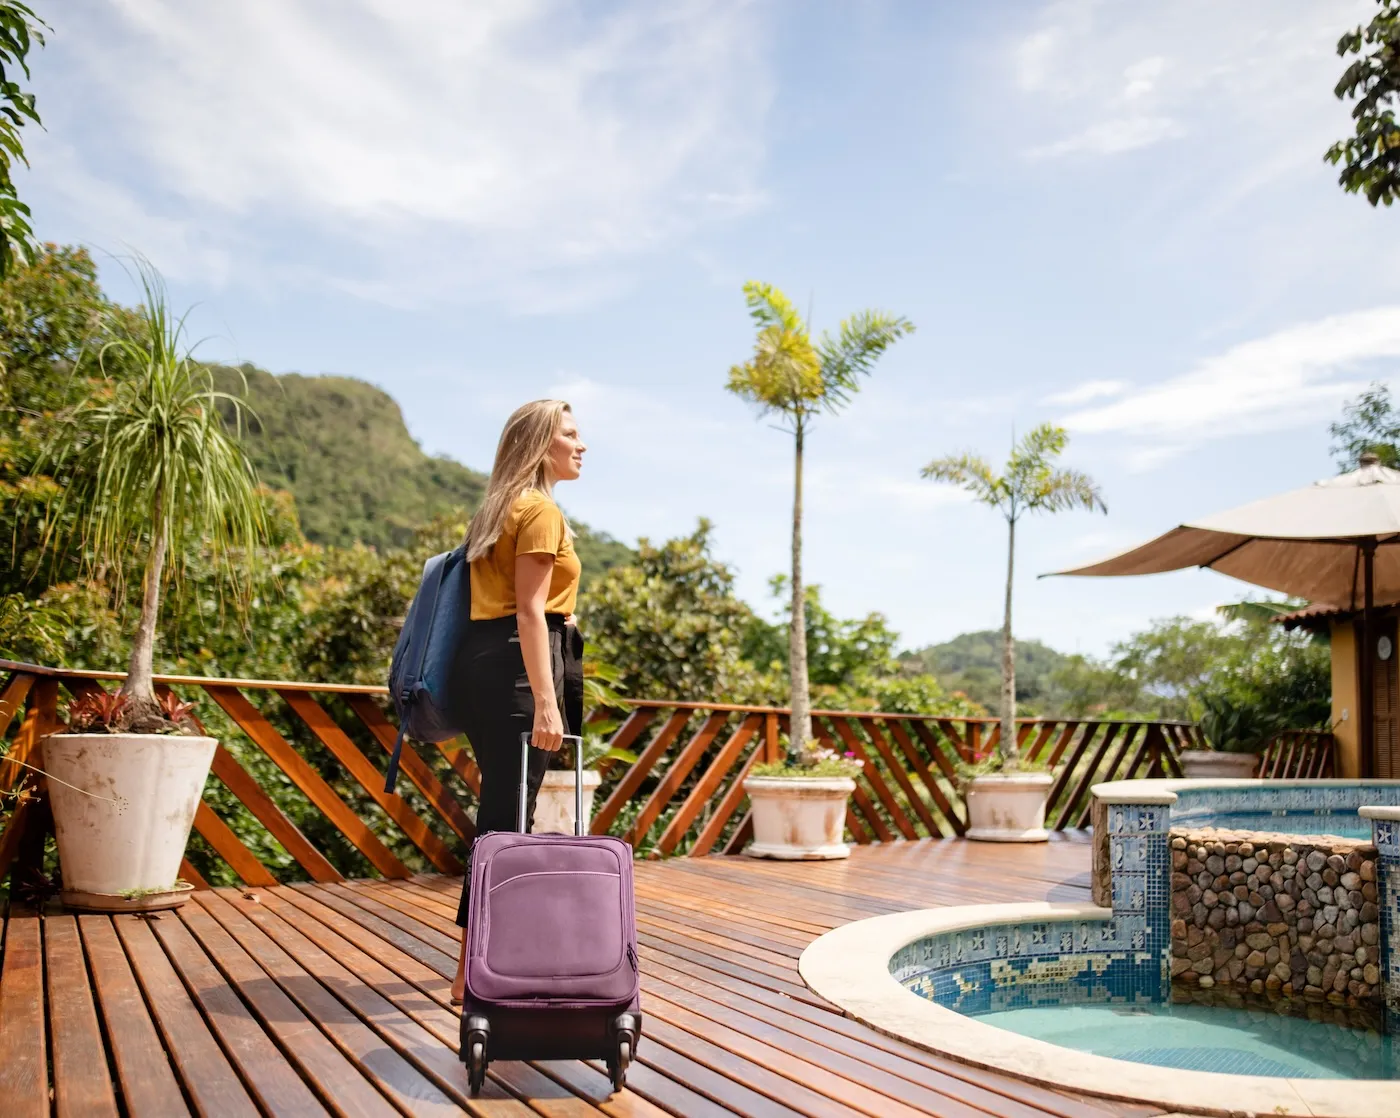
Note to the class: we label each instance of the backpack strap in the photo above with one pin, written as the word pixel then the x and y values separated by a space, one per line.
pixel 433 571
pixel 391 774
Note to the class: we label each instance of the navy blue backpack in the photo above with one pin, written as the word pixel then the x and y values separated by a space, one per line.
pixel 420 672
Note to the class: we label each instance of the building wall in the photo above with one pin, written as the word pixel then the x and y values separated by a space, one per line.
pixel 1346 699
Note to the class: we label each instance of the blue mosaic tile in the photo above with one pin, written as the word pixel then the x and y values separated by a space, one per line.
pixel 1135 819
pixel 1388 881
pixel 1130 854
pixel 1080 978
pixel 1129 892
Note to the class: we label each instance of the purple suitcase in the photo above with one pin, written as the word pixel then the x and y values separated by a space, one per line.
pixel 551 947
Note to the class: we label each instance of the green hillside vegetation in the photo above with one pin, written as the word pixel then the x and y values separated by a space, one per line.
pixel 971 663
pixel 340 447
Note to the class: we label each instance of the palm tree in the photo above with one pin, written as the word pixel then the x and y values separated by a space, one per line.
pixel 150 469
pixel 1030 483
pixel 794 379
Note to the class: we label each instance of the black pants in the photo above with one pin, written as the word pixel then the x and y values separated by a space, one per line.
pixel 498 706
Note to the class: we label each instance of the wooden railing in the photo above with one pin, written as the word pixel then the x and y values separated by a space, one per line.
pixel 299 790
pixel 1299 755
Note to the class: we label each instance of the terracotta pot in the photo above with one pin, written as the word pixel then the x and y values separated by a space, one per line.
pixel 1008 807
pixel 798 817
pixel 123 824
pixel 1198 764
pixel 554 806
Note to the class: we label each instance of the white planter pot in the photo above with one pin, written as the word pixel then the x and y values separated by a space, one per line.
pixel 128 835
pixel 798 817
pixel 554 806
pixel 1199 764
pixel 1008 807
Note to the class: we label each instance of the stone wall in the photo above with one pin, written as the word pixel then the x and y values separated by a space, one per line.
pixel 1291 915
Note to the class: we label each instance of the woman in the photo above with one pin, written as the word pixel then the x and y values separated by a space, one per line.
pixel 520 664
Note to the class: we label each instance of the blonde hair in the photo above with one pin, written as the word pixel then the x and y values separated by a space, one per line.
pixel 518 469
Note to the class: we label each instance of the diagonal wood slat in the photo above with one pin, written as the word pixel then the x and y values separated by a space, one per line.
pixel 311 783
pixel 706 786
pixel 413 766
pixel 329 734
pixel 17 688
pixel 671 781
pixel 872 775
pixel 633 777
pixel 901 778
pixel 728 805
pixel 40 718
pixel 1086 775
pixel 265 810
pixel 910 750
pixel 229 847
pixel 860 799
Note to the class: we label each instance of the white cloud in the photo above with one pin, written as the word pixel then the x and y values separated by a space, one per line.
pixel 1272 383
pixel 1141 77
pixel 1109 137
pixel 435 148
pixel 1089 390
pixel 1104 78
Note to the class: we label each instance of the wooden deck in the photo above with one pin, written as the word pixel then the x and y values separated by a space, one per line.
pixel 333 998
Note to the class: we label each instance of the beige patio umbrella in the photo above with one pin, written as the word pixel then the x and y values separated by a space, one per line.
pixel 1330 542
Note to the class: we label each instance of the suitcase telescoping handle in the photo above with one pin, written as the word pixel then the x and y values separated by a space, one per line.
pixel 525 777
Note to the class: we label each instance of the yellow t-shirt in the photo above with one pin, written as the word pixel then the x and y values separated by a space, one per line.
pixel 535 526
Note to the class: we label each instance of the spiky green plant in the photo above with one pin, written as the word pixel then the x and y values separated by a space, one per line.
pixel 1029 483
pixel 152 472
pixel 796 380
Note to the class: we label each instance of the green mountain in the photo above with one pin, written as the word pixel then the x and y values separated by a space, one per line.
pixel 971 663
pixel 340 446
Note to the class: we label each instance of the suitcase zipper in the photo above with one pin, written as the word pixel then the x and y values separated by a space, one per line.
pixel 632 958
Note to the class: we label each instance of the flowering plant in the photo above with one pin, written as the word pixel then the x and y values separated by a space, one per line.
pixel 815 760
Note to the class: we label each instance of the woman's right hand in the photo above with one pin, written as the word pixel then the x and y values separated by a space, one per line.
pixel 549 727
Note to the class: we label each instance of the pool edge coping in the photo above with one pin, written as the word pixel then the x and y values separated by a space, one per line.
pixel 1163 791
pixel 849 967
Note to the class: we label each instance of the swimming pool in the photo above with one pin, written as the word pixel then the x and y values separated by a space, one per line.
pixel 1208 1038
pixel 1057 993
pixel 1283 821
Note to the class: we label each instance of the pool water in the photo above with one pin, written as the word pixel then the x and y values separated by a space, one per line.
pixel 1344 824
pixel 1208 1038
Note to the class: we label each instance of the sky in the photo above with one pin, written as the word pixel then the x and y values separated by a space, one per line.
pixel 1110 215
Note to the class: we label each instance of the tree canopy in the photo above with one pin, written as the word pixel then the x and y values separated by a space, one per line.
pixel 1370 157
pixel 792 377
pixel 19 33
pixel 1369 425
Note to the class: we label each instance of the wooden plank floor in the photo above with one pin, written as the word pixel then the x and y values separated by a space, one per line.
pixel 334 999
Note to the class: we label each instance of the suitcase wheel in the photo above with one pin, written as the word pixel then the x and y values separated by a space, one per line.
pixel 476 1066
pixel 625 1037
pixel 617 1064
pixel 478 1032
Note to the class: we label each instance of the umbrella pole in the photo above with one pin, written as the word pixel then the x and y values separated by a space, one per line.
pixel 1367 663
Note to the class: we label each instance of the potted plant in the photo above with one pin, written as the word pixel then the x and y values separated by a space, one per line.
pixel 1005 795
pixel 123 803
pixel 1005 799
pixel 799 804
pixel 148 473
pixel 1233 734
